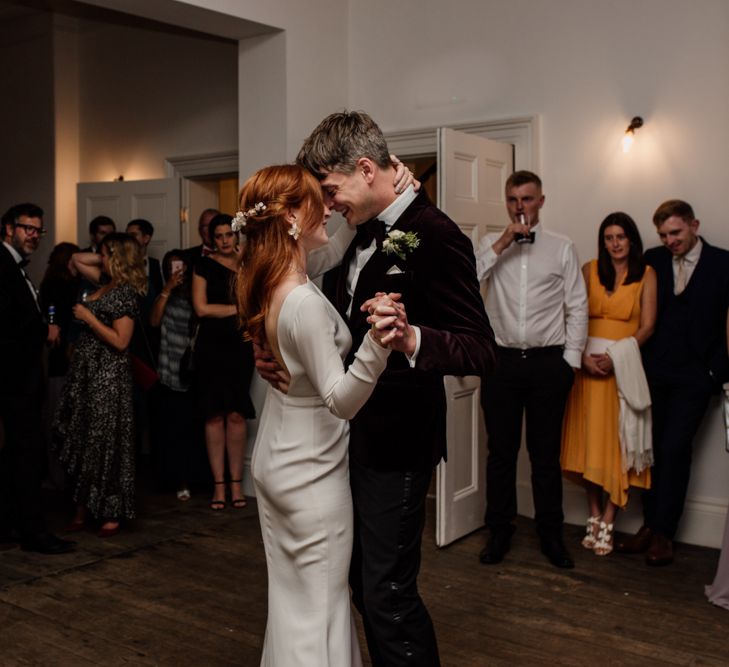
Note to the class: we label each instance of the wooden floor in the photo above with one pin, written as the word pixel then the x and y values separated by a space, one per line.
pixel 183 586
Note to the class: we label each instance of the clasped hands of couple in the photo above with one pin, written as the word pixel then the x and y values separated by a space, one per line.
pixel 388 322
pixel 389 327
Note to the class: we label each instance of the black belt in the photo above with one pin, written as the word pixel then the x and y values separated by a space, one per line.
pixel 530 352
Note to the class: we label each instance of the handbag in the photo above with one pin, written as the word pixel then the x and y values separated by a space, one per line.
pixel 143 375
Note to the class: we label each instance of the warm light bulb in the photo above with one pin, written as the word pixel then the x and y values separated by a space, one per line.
pixel 627 141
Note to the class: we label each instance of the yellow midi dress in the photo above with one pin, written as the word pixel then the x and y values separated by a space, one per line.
pixel 590 440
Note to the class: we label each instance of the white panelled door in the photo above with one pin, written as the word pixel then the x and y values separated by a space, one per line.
pixel 155 200
pixel 472 173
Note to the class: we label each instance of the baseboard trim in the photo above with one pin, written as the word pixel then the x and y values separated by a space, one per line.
pixel 702 522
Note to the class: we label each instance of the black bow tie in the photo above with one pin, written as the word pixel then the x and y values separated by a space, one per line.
pixel 23 262
pixel 372 229
pixel 525 238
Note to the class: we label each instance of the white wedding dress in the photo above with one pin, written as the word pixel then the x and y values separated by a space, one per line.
pixel 301 472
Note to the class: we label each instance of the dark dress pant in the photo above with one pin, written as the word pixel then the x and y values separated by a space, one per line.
pixel 680 397
pixel 22 465
pixel 389 515
pixel 535 382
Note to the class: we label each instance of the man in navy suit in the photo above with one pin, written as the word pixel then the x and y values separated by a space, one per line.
pixel 685 363
pixel 399 434
pixel 23 333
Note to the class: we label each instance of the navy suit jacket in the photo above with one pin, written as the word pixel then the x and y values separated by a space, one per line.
pixel 23 332
pixel 402 425
pixel 708 311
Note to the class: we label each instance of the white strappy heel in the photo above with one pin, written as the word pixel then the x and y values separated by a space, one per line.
pixel 591 530
pixel 604 544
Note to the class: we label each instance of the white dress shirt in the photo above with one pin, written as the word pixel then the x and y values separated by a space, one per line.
pixel 536 293
pixel 690 260
pixel 19 258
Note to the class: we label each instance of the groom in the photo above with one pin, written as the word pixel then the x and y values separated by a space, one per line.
pixel 403 244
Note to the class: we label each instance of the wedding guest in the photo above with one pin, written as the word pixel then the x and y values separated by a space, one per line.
pixel 94 424
pixel 538 307
pixel 175 425
pixel 223 364
pixel 203 228
pixel 24 332
pixel 685 362
pixel 58 293
pixel 300 459
pixel 602 448
pixel 99 227
pixel 145 340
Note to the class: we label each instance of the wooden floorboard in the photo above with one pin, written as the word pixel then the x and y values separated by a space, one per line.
pixel 185 586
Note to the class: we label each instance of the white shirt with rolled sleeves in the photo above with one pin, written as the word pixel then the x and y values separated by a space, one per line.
pixel 536 294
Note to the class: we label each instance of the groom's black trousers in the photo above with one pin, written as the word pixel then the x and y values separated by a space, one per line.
pixel 389 515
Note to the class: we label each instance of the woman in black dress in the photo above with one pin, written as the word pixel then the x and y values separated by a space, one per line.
pixel 94 423
pixel 223 363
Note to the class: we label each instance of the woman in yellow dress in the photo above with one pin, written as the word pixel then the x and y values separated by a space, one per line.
pixel 622 303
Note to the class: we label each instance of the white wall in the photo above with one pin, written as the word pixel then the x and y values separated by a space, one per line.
pixel 66 128
pixel 288 80
pixel 26 116
pixel 585 67
pixel 146 95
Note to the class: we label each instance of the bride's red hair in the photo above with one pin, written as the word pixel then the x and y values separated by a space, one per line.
pixel 270 251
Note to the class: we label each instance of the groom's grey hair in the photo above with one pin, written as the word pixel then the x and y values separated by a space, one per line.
pixel 340 140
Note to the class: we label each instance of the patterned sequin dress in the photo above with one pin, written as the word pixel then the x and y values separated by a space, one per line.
pixel 94 424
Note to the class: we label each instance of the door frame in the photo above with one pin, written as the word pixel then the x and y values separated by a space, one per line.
pixel 189 167
pixel 521 131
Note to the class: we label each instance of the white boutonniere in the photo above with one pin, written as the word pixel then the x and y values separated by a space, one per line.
pixel 400 243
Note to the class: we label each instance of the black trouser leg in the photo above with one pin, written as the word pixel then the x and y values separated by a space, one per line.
pixel 679 407
pixel 22 462
pixel 389 510
pixel 502 400
pixel 552 379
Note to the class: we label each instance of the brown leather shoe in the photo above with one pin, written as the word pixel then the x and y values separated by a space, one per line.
pixel 660 552
pixel 635 544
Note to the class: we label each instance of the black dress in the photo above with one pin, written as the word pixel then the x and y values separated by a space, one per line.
pixel 94 424
pixel 223 360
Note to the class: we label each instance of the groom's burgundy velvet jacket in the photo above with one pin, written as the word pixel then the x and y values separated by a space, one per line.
pixel 403 425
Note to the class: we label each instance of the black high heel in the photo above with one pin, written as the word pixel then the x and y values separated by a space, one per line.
pixel 218 505
pixel 237 503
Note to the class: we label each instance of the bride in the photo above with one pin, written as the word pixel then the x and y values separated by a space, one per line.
pixel 300 462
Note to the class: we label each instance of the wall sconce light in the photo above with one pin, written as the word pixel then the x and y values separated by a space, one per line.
pixel 628 138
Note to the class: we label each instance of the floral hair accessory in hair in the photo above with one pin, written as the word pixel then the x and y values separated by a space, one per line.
pixel 241 218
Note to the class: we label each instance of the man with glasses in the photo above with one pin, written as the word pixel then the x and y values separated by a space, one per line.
pixel 23 333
